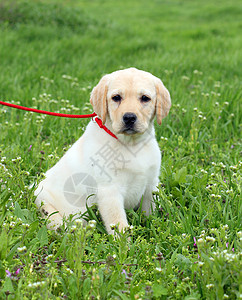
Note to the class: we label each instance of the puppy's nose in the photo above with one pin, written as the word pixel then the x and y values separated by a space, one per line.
pixel 129 119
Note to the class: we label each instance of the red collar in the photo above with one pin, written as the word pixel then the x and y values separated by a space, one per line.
pixel 99 122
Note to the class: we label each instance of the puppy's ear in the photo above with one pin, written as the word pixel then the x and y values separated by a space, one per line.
pixel 99 98
pixel 163 101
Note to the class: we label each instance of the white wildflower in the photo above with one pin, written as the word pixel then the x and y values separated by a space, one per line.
pixel 22 249
pixel 69 270
pixel 78 221
pixel 239 234
pixel 210 239
pixel 226 227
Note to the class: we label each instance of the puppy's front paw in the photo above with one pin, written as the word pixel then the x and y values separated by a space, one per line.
pixel 119 227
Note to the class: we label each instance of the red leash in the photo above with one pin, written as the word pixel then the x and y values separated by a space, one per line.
pixel 93 115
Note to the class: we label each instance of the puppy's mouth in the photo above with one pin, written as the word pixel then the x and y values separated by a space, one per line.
pixel 129 131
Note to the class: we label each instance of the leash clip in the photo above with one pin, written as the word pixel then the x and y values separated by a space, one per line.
pixel 94 119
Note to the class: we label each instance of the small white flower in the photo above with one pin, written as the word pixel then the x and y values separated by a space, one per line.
pixel 209 286
pixel 73 227
pixel 200 263
pixel 69 270
pixel 186 279
pixel 12 224
pixel 210 239
pixel 239 234
pixel 131 227
pixel 25 225
pixel 22 249
pixel 78 221
pixel 92 223
pixel 49 256
pixel 158 269
pixel 222 165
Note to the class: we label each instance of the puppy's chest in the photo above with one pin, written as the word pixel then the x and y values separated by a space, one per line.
pixel 121 164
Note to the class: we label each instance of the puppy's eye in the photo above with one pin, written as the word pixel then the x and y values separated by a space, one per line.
pixel 116 98
pixel 145 98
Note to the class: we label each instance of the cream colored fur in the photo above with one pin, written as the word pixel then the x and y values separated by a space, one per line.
pixel 115 174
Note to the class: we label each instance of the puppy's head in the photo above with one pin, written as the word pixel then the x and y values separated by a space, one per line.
pixel 130 99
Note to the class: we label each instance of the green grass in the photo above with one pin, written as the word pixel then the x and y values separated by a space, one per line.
pixel 190 248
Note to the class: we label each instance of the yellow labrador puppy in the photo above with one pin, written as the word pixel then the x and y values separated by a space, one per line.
pixel 117 174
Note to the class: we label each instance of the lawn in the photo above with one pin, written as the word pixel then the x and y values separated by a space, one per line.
pixel 52 53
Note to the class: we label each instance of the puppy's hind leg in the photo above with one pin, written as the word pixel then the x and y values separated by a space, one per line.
pixel 148 205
